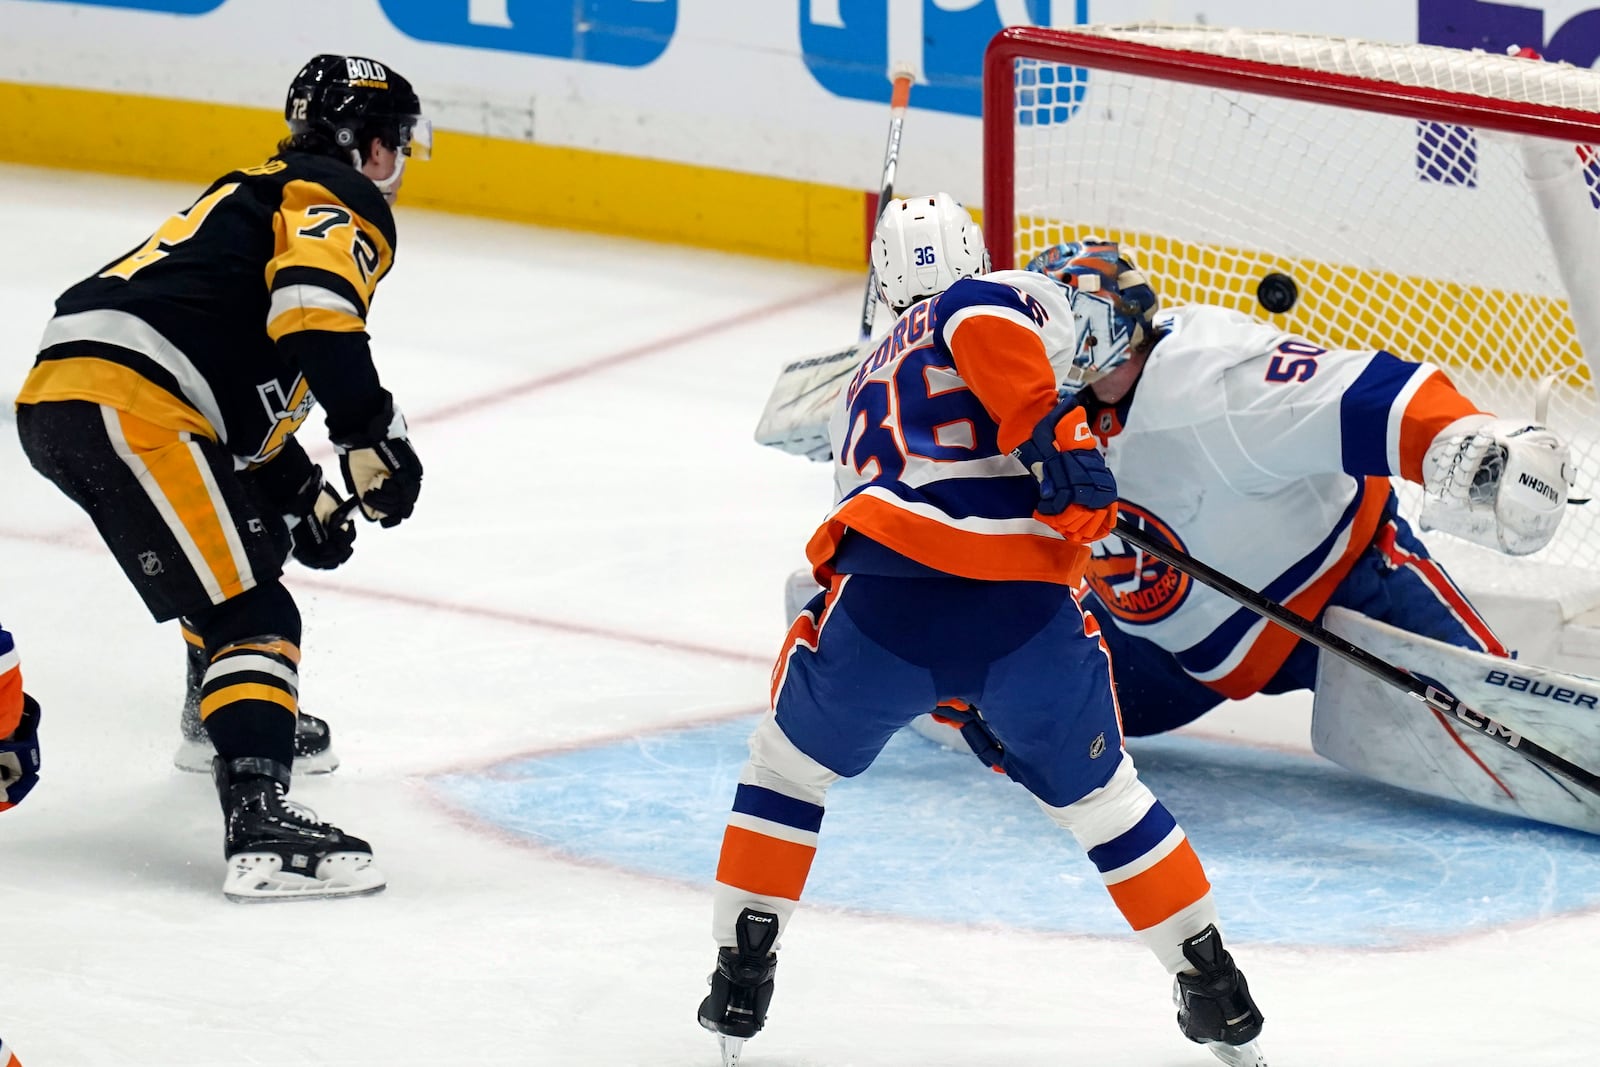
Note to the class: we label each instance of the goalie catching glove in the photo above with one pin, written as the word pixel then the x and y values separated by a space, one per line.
pixel 1077 494
pixel 380 468
pixel 1502 483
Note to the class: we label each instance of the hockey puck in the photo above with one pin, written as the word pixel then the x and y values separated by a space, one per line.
pixel 1277 292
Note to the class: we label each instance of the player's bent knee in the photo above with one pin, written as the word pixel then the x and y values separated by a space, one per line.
pixel 266 609
pixel 773 754
pixel 1106 812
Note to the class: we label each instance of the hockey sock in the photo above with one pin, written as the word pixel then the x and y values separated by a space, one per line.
pixel 250 697
pixel 769 844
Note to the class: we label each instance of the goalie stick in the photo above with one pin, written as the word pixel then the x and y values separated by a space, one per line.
pixel 1434 697
pixel 796 416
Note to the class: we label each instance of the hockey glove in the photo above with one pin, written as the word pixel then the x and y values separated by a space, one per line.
pixel 320 531
pixel 19 757
pixel 1502 483
pixel 1077 494
pixel 380 468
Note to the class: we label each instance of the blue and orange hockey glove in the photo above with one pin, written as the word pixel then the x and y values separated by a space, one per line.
pixel 1077 494
pixel 19 756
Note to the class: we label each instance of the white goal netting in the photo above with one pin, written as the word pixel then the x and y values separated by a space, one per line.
pixel 1436 203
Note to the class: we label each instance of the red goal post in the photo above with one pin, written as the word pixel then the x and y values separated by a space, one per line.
pixel 1437 203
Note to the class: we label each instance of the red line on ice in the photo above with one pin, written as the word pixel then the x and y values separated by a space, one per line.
pixel 516 391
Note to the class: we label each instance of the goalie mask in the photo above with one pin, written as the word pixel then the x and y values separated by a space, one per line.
pixel 923 246
pixel 1112 304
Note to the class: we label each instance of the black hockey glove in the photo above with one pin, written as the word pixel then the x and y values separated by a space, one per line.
pixel 320 530
pixel 380 468
pixel 279 481
pixel 19 757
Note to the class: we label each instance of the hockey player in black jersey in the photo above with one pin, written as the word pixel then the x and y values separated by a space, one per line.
pixel 165 399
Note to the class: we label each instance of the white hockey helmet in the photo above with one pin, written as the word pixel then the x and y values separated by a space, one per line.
pixel 1112 303
pixel 922 246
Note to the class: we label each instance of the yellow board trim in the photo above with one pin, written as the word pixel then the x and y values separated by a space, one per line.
pixel 115 133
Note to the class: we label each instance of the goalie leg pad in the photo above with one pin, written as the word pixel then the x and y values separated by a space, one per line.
pixel 1376 730
pixel 798 591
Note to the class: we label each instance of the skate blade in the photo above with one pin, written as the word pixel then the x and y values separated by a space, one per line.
pixel 1248 1054
pixel 731 1047
pixel 259 877
pixel 195 757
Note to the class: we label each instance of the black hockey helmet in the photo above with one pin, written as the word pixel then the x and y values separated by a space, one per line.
pixel 351 99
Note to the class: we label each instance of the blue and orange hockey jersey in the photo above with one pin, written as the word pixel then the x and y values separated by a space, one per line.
pixel 10 688
pixel 923 433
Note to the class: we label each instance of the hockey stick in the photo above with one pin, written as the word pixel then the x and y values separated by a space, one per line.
pixel 902 76
pixel 796 416
pixel 1435 698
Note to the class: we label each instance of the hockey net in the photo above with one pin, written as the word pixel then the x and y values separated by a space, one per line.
pixel 1436 203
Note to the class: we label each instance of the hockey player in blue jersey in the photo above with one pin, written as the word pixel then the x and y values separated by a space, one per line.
pixel 965 502
pixel 19 732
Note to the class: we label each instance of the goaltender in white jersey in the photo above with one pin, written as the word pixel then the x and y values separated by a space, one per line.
pixel 1270 458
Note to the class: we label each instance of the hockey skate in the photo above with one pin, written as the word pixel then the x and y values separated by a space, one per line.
pixel 741 986
pixel 279 850
pixel 1214 1006
pixel 313 742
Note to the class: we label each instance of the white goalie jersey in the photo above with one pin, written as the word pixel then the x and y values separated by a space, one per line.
pixel 1267 457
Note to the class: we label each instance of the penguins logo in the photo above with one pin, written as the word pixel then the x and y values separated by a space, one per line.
pixel 1136 587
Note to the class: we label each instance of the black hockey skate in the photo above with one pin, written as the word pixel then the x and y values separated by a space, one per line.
pixel 741 986
pixel 278 850
pixel 1215 1008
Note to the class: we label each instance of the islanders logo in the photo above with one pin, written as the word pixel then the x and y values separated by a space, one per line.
pixel 1136 587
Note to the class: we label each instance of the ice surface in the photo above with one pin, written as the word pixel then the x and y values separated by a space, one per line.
pixel 596 565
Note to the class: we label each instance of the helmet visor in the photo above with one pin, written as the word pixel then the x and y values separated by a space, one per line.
pixel 416 137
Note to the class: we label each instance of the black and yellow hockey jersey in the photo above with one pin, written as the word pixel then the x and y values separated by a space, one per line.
pixel 238 314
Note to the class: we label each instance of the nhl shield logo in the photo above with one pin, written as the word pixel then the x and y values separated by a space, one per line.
pixel 1097 747
pixel 150 563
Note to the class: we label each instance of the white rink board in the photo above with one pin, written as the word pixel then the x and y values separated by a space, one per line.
pixel 736 87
